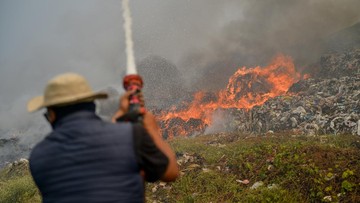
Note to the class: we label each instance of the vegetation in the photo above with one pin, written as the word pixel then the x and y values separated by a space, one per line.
pixel 17 185
pixel 291 169
pixel 226 168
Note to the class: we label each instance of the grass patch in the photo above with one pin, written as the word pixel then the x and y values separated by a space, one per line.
pixel 214 167
pixel 17 185
pixel 304 169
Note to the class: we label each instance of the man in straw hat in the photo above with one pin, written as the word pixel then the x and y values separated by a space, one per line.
pixel 85 159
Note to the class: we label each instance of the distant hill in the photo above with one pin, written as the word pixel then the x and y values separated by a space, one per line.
pixel 339 55
pixel 348 38
pixel 163 83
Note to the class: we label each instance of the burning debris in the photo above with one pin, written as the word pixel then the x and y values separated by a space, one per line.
pixel 246 88
pixel 323 106
pixel 276 99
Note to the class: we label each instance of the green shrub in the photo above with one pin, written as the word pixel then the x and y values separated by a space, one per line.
pixel 266 195
pixel 19 190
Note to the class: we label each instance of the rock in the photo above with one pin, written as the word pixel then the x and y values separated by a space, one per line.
pixel 300 110
pixel 245 182
pixel 257 185
pixel 154 189
pixel 162 184
pixel 270 167
pixel 270 132
pixel 294 122
pixel 273 186
pixel 205 170
pixel 324 139
pixel 327 198
pixel 23 161
pixel 270 160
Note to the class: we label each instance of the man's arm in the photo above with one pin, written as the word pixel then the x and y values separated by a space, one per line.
pixel 153 129
pixel 151 126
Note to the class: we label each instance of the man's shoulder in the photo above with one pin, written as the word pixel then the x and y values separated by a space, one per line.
pixel 118 127
pixel 40 148
pixel 108 124
pixel 110 132
pixel 42 142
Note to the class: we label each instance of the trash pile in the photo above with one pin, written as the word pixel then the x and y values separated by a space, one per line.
pixel 340 64
pixel 327 103
pixel 312 106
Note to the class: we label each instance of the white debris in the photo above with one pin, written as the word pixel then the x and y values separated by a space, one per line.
pixel 273 186
pixel 257 185
pixel 245 182
pixel 327 198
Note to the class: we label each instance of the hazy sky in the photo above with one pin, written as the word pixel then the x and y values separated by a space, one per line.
pixel 41 38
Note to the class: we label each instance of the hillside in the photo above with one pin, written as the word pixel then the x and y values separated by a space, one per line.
pixel 347 38
pixel 238 168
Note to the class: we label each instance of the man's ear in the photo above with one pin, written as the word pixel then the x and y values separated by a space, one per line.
pixel 51 115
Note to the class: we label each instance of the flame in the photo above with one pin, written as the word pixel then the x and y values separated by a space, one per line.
pixel 306 76
pixel 246 88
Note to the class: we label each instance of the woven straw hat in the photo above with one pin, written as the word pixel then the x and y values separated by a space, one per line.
pixel 65 89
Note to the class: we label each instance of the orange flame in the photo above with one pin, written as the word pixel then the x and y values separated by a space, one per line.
pixel 306 76
pixel 248 87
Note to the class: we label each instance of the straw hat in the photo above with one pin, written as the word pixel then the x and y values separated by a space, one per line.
pixel 65 89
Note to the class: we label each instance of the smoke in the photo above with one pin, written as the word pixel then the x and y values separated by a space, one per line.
pixel 131 67
pixel 40 39
pixel 299 29
pixel 222 121
pixel 205 40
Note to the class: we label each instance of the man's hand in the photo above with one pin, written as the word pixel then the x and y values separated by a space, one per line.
pixel 151 126
pixel 124 104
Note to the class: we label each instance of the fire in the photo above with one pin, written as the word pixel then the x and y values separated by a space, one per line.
pixel 306 76
pixel 246 88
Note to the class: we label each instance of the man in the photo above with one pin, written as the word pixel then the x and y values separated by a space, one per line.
pixel 85 159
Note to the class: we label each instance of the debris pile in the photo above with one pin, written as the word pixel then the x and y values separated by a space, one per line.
pixel 189 162
pixel 340 64
pixel 312 106
pixel 276 98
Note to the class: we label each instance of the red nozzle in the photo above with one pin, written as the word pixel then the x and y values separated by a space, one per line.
pixel 132 79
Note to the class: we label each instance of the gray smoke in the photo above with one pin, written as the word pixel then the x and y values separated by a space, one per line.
pixel 206 41
pixel 265 28
pixel 220 123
